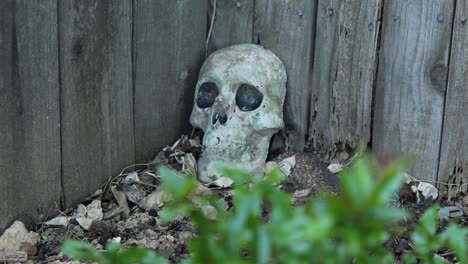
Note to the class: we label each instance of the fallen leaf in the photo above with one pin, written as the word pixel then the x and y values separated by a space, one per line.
pixel 95 214
pixel 269 167
pixel 301 193
pixel 156 199
pixel 84 222
pixel 428 190
pixel 209 211
pixel 189 164
pixel 81 211
pixel 121 199
pixel 408 178
pixel 287 165
pixel 202 190
pixel 58 221
pixel 335 168
pixel 134 192
pixel 132 177
pixel 223 182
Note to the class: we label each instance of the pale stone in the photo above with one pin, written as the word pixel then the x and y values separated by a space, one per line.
pixel 16 235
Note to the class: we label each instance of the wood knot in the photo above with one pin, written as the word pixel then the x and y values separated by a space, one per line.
pixel 438 77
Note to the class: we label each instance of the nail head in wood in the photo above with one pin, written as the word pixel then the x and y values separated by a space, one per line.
pixel 440 18
pixel 300 12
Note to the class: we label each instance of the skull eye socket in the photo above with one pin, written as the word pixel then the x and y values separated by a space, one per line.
pixel 207 93
pixel 248 97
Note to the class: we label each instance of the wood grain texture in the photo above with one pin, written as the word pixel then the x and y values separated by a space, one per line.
pixel 343 74
pixel 29 111
pixel 287 28
pixel 97 94
pixel 168 48
pixel 233 23
pixel 454 148
pixel 412 82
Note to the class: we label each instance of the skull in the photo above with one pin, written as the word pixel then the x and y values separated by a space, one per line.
pixel 239 105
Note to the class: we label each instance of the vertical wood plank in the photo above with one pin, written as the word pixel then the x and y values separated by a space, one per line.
pixel 412 82
pixel 233 23
pixel 29 111
pixel 168 47
pixel 97 95
pixel 454 152
pixel 287 28
pixel 343 74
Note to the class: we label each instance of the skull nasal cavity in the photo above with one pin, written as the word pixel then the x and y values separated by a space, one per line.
pixel 222 117
pixel 207 93
pixel 248 97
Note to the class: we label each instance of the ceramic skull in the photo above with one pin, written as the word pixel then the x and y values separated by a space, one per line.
pixel 239 105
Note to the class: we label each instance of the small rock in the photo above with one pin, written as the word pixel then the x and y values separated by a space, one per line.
pixel 15 235
pixel 30 249
pixel 465 201
pixel 450 212
pixel 153 212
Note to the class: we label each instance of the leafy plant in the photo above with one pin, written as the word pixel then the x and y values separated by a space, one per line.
pixel 113 255
pixel 263 227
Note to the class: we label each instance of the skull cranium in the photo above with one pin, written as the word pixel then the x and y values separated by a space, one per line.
pixel 239 105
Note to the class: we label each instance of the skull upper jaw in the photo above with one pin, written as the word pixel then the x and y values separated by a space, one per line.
pixel 249 159
pixel 246 152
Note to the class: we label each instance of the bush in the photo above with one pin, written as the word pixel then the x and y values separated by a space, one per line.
pixel 263 227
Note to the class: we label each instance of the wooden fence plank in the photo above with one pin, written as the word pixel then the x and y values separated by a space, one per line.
pixel 343 74
pixel 233 23
pixel 412 82
pixel 29 111
pixel 97 94
pixel 168 47
pixel 287 28
pixel 454 152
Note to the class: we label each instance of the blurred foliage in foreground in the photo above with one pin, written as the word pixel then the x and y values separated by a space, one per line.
pixel 263 227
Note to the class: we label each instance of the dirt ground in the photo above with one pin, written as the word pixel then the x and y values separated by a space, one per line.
pixel 121 209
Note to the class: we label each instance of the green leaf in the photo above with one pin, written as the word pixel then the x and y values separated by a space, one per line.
pixel 409 258
pixel 178 186
pixel 143 256
pixel 45 234
pixel 429 220
pixel 357 183
pixel 390 181
pixel 113 247
pixel 238 176
pixel 263 245
pixel 274 176
pixel 455 238
pixel 81 250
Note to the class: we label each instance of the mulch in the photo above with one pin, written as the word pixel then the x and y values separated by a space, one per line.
pixel 143 226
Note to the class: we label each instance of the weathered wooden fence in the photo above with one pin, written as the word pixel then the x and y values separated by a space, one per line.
pixel 87 87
